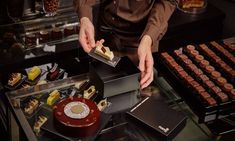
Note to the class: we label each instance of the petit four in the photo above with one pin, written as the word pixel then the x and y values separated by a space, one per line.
pixel 102 104
pixel 54 96
pixel 56 33
pixel 34 73
pixel 40 82
pixel 53 72
pixel 104 52
pixel 89 92
pixel 14 79
pixel 37 125
pixel 69 31
pixel 31 106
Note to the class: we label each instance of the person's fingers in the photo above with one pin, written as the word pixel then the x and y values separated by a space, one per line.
pixel 148 69
pixel 102 41
pixel 147 83
pixel 141 62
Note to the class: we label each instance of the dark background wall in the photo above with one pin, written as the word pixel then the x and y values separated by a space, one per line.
pixel 228 7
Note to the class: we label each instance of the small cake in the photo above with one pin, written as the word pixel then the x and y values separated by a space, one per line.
pixel 69 31
pixel 53 72
pixel 14 79
pixel 104 52
pixel 89 92
pixel 32 105
pixel 44 36
pixel 54 96
pixel 102 104
pixel 38 124
pixel 30 39
pixel 34 73
pixel 56 33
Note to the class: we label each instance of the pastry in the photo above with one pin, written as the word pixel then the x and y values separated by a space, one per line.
pixel 37 125
pixel 31 106
pixel 104 52
pixel 69 31
pixel 89 92
pixel 53 72
pixel 54 96
pixel 30 39
pixel 14 79
pixel 102 104
pixel 34 73
pixel 44 36
pixel 56 33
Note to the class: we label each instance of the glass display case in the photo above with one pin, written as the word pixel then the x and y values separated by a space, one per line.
pixel 33 39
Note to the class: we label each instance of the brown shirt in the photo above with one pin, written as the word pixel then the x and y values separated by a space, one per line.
pixel 123 14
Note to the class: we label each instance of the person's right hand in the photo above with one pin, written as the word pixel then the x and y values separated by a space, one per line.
pixel 86 34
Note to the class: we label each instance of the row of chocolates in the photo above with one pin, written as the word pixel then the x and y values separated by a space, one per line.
pixel 33 77
pixel 215 76
pixel 218 62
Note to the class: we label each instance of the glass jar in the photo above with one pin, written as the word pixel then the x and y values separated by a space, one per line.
pixel 192 6
pixel 50 7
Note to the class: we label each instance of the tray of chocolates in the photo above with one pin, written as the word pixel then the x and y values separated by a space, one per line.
pixel 204 76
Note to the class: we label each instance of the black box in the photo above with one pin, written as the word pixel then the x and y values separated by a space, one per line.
pixel 111 81
pixel 153 116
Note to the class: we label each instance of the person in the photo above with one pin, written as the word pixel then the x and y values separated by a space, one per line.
pixel 128 25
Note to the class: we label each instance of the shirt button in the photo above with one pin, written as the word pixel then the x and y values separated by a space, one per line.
pixel 114 2
pixel 113 18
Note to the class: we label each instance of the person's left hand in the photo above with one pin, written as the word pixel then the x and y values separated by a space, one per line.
pixel 145 61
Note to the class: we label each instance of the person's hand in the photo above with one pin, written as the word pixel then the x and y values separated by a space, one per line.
pixel 145 61
pixel 86 34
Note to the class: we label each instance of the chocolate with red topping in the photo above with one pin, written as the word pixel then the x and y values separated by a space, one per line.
pixel 205 95
pixel 209 69
pixel 215 75
pixel 204 63
pixel 221 81
pixel 227 87
pixel 199 58
pixel 211 101
pixel 209 84
pixel 215 89
pixel 223 97
pixel 203 78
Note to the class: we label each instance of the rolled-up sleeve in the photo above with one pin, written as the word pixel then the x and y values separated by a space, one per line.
pixel 84 8
pixel 158 19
